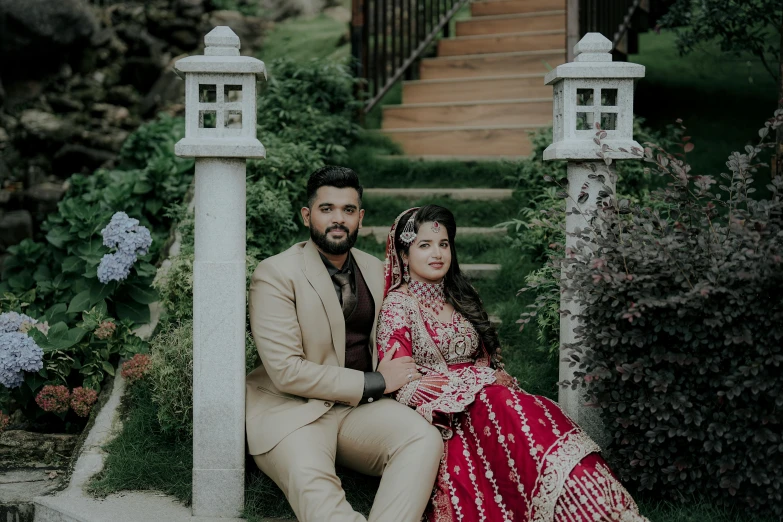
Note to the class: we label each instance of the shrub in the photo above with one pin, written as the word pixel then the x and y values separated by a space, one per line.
pixel 63 279
pixel 680 339
pixel 171 378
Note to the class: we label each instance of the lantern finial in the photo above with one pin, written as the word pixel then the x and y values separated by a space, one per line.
pixel 221 41
pixel 594 47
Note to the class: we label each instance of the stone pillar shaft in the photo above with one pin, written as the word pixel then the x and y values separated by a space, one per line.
pixel 573 401
pixel 219 300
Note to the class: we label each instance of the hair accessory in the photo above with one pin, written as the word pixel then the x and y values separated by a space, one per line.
pixel 435 227
pixel 429 295
pixel 409 232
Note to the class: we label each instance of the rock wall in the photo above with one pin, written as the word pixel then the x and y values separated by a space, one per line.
pixel 77 77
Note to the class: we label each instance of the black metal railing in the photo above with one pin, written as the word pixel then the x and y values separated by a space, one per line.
pixel 611 18
pixel 388 36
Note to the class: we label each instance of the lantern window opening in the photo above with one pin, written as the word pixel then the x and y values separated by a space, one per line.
pixel 585 121
pixel 608 121
pixel 584 97
pixel 233 120
pixel 609 97
pixel 207 119
pixel 232 93
pixel 207 93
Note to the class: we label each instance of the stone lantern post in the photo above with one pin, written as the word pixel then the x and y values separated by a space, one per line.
pixel 220 132
pixel 588 91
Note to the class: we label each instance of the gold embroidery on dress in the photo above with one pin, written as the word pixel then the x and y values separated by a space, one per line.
pixel 553 470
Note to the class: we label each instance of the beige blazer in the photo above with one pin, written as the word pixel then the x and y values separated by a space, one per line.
pixel 299 331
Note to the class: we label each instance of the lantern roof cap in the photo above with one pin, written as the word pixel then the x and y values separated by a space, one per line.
pixel 221 56
pixel 593 59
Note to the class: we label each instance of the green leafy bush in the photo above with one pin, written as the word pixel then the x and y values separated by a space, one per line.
pixel 539 232
pixel 171 377
pixel 680 341
pixel 305 115
pixel 55 279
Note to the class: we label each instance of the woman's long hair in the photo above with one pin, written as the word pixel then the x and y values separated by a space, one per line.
pixel 459 292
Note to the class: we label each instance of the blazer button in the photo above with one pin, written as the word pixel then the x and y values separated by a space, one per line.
pixel 327 404
pixel 370 399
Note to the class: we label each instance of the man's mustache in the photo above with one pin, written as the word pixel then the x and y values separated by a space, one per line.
pixel 338 227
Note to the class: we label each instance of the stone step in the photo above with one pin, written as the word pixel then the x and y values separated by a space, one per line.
pixel 536 111
pixel 512 23
pixel 435 157
pixel 502 7
pixel 500 140
pixel 496 321
pixel 476 89
pixel 381 233
pixel 502 43
pixel 463 194
pixel 500 64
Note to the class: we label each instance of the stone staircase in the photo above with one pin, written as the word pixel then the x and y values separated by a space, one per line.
pixel 484 92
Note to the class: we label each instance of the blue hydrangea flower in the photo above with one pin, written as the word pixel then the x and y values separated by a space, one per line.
pixel 12 321
pixel 18 353
pixel 115 267
pixel 130 239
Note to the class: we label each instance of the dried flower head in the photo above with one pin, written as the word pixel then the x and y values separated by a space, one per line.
pixel 136 368
pixel 5 420
pixel 82 400
pixel 105 330
pixel 53 398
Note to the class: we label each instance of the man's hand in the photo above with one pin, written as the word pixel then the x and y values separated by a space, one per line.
pixel 397 372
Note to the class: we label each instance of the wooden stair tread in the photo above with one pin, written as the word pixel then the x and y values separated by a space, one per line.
pixel 496 64
pixel 515 16
pixel 481 113
pixel 499 43
pixel 490 7
pixel 505 140
pixel 462 194
pixel 451 157
pixel 512 23
pixel 521 126
pixel 468 103
pixel 484 88
pixel 381 233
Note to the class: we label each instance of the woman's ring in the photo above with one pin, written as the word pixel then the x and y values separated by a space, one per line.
pixel 410 376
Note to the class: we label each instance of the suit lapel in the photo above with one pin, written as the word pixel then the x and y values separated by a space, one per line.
pixel 375 284
pixel 316 274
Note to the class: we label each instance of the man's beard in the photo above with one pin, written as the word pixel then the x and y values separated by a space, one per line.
pixel 331 247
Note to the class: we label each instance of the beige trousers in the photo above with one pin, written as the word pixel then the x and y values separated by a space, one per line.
pixel 383 438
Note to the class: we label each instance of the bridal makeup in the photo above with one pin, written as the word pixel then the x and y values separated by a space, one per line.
pixel 429 256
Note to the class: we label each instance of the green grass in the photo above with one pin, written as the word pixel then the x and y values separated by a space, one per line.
pixel 710 90
pixel 472 249
pixel 373 158
pixel 383 210
pixel 304 39
pixel 141 457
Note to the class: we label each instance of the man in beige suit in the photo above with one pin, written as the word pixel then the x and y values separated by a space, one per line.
pixel 317 399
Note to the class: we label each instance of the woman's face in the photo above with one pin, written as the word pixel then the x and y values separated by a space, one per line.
pixel 429 256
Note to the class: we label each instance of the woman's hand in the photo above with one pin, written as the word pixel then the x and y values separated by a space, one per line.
pixel 504 379
pixel 397 372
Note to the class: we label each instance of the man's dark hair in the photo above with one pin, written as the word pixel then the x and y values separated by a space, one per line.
pixel 332 176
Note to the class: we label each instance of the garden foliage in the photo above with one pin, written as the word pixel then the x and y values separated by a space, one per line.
pixel 305 116
pixel 680 341
pixel 56 280
pixel 539 232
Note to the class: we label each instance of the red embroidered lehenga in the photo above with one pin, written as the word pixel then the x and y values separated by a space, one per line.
pixel 509 455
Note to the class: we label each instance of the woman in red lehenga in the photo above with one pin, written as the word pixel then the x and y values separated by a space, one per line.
pixel 509 455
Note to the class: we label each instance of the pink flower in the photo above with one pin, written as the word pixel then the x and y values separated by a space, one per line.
pixel 105 330
pixel 136 368
pixel 53 398
pixel 82 400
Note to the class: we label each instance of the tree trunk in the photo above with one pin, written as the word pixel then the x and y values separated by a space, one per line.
pixel 777 166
